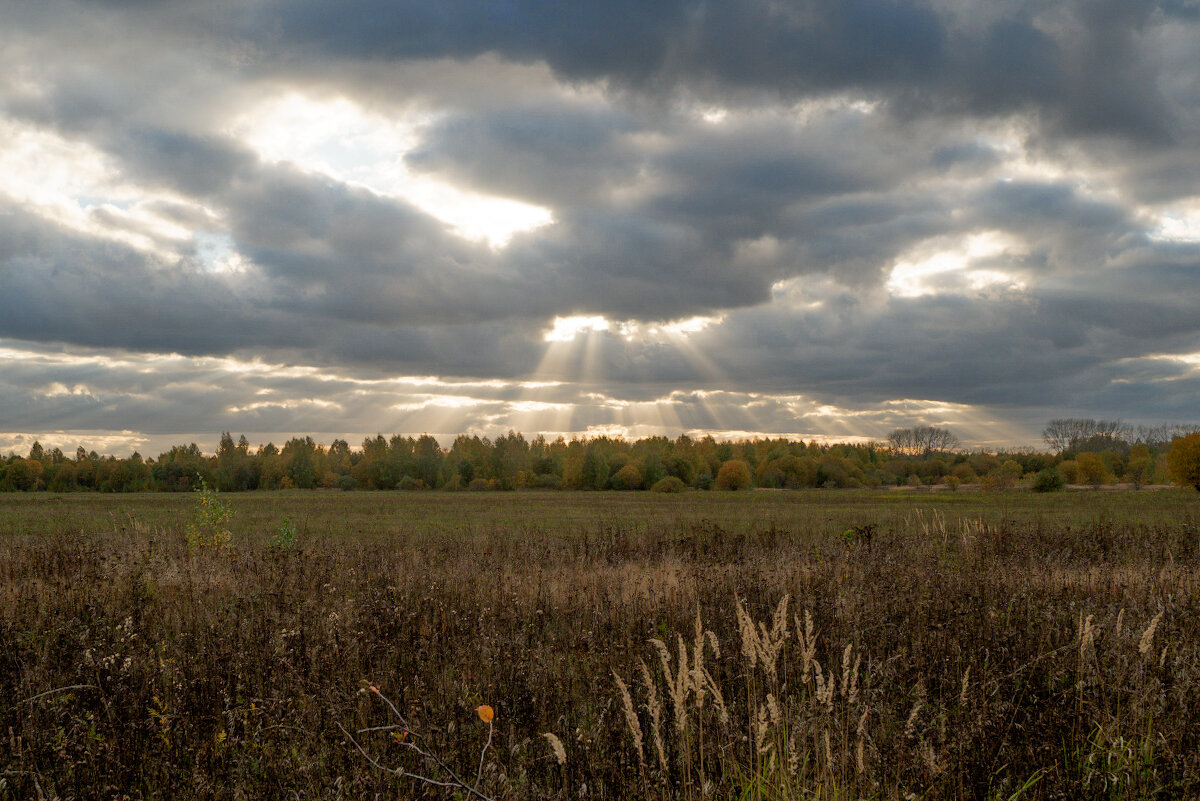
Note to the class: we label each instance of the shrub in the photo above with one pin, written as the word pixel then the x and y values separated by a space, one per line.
pixel 627 478
pixel 1004 476
pixel 669 484
pixel 410 483
pixel 733 475
pixel 478 485
pixel 1048 480
pixel 347 483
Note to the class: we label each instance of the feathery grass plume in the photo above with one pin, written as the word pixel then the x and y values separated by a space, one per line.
pixel 962 695
pixel 698 685
pixel 713 643
pixel 701 680
pixel 748 634
pixel 828 752
pixel 678 682
pixel 808 643
pixel 762 724
pixel 910 726
pixel 631 719
pixel 860 745
pixel 930 758
pixel 1087 635
pixel 1120 620
pixel 853 696
pixel 761 644
pixel 773 709
pixel 655 708
pixel 560 753
pixel 715 690
pixel 825 689
pixel 1148 635
pixel 846 671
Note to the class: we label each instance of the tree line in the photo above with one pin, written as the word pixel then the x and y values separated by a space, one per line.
pixel 1078 452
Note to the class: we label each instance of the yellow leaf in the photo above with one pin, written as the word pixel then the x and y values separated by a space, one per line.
pixel 485 712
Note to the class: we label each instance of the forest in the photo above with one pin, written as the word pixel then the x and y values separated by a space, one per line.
pixel 1078 452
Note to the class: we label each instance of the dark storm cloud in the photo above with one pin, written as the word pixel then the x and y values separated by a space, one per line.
pixel 1086 66
pixel 549 154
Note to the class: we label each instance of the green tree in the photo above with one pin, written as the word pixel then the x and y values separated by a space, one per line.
pixel 300 458
pixel 1140 468
pixel 595 470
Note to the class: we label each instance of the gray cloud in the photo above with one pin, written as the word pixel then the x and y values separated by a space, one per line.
pixel 768 164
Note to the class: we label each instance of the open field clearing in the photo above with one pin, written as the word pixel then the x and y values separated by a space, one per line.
pixel 831 644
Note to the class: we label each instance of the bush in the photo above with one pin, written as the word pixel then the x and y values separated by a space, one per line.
pixel 733 475
pixel 410 483
pixel 669 484
pixel 1048 480
pixel 478 485
pixel 347 483
pixel 627 478
pixel 546 481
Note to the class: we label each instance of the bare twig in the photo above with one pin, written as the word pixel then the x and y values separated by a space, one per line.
pixel 411 740
pixel 57 690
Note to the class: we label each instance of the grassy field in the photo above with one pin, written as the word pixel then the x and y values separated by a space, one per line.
pixel 927 645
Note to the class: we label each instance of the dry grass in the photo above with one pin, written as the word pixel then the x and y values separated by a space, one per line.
pixel 974 643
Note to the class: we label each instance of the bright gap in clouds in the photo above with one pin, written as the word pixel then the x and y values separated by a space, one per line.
pixel 938 266
pixel 1180 223
pixel 79 187
pixel 342 140
pixel 566 329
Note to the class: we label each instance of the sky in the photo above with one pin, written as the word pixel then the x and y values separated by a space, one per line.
pixel 821 218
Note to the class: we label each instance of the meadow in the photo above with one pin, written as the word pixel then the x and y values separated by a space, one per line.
pixel 765 644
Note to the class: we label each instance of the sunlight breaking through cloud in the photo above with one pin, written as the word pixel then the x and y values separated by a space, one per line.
pixel 341 139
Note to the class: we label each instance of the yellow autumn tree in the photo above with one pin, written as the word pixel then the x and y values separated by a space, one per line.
pixel 1183 461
